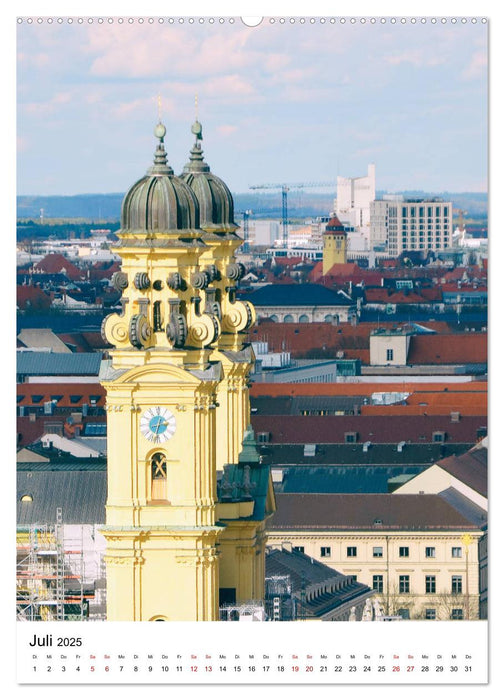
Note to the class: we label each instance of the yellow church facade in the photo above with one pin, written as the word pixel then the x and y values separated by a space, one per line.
pixel 188 498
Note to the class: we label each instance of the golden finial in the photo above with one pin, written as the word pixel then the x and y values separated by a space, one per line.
pixel 196 127
pixel 160 129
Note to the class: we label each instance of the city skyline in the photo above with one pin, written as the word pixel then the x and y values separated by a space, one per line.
pixel 281 102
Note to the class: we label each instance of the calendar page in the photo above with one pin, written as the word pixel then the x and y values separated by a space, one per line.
pixel 251 367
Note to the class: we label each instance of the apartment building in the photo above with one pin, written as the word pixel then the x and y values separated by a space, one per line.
pixel 399 224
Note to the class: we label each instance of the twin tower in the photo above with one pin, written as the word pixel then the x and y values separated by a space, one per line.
pixel 179 540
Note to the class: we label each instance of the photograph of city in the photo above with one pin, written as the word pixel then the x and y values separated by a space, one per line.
pixel 252 294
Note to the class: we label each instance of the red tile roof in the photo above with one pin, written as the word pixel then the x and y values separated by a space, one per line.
pixel 324 340
pixel 54 263
pixel 459 348
pixel 383 295
pixel 29 431
pixel 86 391
pixel 328 511
pixel 288 429
pixel 429 410
pixel 363 388
pixel 33 298
pixel 471 468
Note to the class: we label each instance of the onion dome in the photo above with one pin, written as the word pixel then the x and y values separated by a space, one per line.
pixel 334 225
pixel 160 202
pixel 214 198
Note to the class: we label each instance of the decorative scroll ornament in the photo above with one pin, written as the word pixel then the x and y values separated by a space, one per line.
pixel 204 331
pixel 235 271
pixel 174 281
pixel 238 317
pixel 200 280
pixel 142 281
pixel 140 331
pixel 119 281
pixel 176 330
pixel 114 330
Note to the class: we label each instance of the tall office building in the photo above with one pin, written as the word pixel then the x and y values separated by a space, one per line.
pixel 353 199
pixel 399 224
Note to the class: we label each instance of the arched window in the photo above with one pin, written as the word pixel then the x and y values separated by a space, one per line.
pixel 274 318
pixel 158 476
pixel 304 319
pixel 289 318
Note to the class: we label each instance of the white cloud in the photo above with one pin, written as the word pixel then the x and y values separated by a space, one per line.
pixel 477 66
pixel 417 57
pixel 226 129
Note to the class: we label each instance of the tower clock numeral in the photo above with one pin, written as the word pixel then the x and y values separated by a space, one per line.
pixel 157 424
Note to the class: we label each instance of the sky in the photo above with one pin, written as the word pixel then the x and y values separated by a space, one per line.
pixel 279 103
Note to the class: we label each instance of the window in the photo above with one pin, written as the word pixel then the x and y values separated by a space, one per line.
pixel 227 596
pixel 325 551
pixel 158 477
pixel 378 583
pixel 438 436
pixel 430 584
pixel 404 551
pixel 404 613
pixel 377 551
pixel 390 354
pixel 457 614
pixel 299 549
pixel 350 437
pixel 404 584
pixel 351 551
pixel 430 613
pixel 456 584
pixel 430 552
pixel 457 552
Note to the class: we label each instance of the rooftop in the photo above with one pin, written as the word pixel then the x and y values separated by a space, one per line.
pixel 297 295
pixel 377 512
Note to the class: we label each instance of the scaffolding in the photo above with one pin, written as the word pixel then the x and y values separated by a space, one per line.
pixel 50 574
pixel 252 611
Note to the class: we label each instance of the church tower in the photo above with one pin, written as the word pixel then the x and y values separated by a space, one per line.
pixel 223 273
pixel 161 385
pixel 335 245
pixel 188 497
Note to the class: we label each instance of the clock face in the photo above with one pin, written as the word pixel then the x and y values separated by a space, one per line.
pixel 157 424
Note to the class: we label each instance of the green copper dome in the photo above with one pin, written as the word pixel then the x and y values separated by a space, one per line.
pixel 160 202
pixel 214 197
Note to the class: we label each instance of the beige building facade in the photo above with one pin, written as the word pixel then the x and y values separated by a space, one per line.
pixel 400 224
pixel 428 571
pixel 389 347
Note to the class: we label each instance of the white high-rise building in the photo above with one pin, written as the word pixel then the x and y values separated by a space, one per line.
pixel 353 199
pixel 399 224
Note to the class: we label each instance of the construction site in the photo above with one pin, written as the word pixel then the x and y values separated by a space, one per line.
pixel 58 574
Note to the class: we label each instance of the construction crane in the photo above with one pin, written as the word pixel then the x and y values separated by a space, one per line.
pixel 285 187
pixel 246 216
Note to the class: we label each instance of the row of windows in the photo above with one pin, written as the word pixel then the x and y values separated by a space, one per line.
pixel 430 613
pixel 430 552
pixel 430 583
